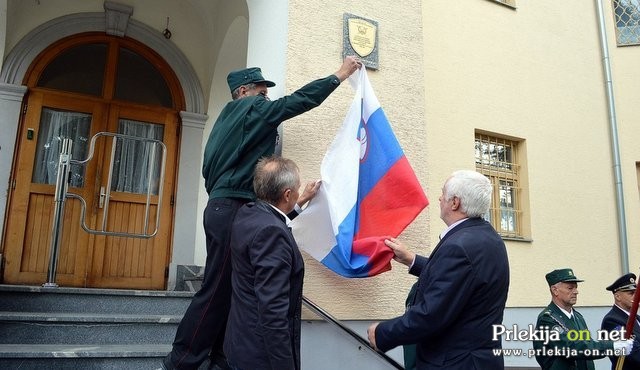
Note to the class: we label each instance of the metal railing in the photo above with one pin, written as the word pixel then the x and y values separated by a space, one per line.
pixel 61 194
pixel 365 343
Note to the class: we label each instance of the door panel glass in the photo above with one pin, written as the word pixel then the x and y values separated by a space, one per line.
pixel 56 125
pixel 133 157
pixel 79 69
pixel 138 80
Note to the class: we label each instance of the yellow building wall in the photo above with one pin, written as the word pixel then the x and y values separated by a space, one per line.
pixel 626 80
pixel 536 73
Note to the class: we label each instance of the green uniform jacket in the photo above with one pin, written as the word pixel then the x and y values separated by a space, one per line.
pixel 566 354
pixel 246 130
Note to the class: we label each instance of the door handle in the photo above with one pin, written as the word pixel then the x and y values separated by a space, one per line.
pixel 103 195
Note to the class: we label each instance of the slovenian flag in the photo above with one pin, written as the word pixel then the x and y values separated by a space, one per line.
pixel 369 192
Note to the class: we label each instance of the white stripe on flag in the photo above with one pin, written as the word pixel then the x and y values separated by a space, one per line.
pixel 316 228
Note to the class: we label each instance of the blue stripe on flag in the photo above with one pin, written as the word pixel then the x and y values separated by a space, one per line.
pixel 382 153
pixel 341 258
pixel 357 264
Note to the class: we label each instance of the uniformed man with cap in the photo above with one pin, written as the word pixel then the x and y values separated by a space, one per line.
pixel 245 131
pixel 570 346
pixel 623 290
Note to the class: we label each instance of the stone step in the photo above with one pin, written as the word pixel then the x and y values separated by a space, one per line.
pixel 73 328
pixel 18 298
pixel 69 328
pixel 76 328
pixel 82 356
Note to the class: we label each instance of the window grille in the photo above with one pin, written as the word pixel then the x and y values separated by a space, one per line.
pixel 497 158
pixel 627 19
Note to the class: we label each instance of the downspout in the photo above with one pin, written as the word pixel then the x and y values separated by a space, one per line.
pixel 622 222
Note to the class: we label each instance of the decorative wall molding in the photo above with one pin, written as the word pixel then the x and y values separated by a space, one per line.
pixel 22 55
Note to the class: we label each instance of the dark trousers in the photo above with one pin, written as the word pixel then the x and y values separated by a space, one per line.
pixel 201 331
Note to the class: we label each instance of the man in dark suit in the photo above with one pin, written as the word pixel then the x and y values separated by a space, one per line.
pixel 568 344
pixel 623 290
pixel 263 331
pixel 462 287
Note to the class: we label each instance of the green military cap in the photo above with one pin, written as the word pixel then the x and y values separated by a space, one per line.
pixel 246 76
pixel 623 283
pixel 559 275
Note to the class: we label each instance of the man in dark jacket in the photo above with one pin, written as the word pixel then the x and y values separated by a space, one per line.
pixel 462 286
pixel 623 290
pixel 263 331
pixel 245 131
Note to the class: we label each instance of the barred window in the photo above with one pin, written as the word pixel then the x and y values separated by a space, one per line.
pixel 627 19
pixel 497 158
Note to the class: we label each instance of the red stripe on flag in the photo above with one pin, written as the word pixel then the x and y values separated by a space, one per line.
pixel 395 201
pixel 379 254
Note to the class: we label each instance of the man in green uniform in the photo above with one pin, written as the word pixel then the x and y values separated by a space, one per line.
pixel 565 342
pixel 245 131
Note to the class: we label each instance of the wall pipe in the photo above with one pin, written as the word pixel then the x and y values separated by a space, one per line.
pixel 622 222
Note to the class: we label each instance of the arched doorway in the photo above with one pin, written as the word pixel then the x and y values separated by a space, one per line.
pixel 79 86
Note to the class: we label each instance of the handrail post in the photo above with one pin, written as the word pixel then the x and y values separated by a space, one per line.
pixel 60 195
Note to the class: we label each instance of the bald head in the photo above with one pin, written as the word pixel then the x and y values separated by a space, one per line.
pixel 277 181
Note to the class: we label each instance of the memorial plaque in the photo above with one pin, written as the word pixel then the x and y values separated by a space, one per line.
pixel 360 38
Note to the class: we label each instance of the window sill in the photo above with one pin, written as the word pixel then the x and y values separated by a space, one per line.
pixel 517 239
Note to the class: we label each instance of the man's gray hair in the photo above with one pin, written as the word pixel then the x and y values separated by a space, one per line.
pixel 236 93
pixel 473 189
pixel 274 175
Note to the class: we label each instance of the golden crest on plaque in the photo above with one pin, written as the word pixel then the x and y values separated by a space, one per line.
pixel 362 36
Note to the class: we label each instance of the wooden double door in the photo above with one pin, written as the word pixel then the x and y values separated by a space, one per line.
pixel 78 87
pixel 85 259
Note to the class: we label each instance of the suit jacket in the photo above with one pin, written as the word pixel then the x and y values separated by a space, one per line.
pixel 570 353
pixel 614 320
pixel 263 331
pixel 461 293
